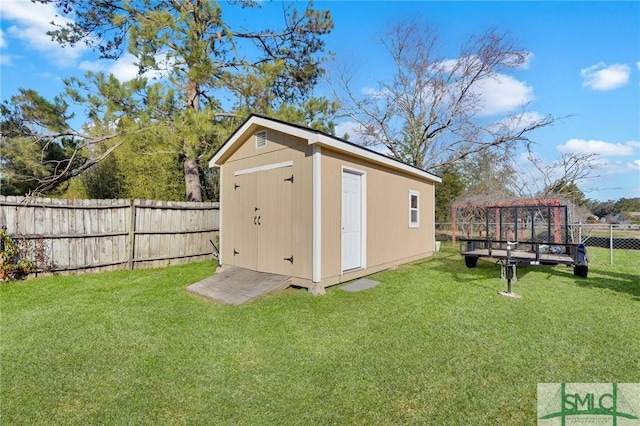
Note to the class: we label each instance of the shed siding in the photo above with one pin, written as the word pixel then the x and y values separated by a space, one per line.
pixel 389 240
pixel 280 148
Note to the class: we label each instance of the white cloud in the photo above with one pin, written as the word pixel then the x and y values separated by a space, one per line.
pixel 30 23
pixel 603 173
pixel 125 68
pixel 603 77
pixel 497 94
pixel 517 122
pixel 4 59
pixel 607 173
pixel 502 94
pixel 373 93
pixel 447 65
pixel 354 130
pixel 351 128
pixel 527 61
pixel 599 147
pixel 628 169
pixel 529 118
pixel 638 65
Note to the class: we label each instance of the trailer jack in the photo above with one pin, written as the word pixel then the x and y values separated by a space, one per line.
pixel 508 271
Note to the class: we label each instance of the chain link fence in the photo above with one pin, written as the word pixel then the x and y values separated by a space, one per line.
pixel 610 237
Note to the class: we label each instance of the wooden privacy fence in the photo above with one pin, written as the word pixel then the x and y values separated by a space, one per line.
pixel 97 235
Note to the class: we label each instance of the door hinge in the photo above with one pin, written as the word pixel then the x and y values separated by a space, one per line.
pixel 236 186
pixel 289 179
pixel 290 259
pixel 235 252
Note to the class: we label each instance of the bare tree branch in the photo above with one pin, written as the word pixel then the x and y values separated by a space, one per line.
pixel 429 113
pixel 69 172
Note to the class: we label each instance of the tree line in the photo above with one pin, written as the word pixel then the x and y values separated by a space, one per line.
pixel 200 77
pixel 610 208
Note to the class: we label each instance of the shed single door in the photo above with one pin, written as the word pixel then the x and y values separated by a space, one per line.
pixel 263 229
pixel 245 251
pixel 351 220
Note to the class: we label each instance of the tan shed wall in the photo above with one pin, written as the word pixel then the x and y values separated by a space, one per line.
pixel 390 241
pixel 280 148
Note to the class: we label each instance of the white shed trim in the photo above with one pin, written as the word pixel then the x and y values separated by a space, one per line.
pixel 220 232
pixel 373 157
pixel 315 137
pixel 317 214
pixel 263 168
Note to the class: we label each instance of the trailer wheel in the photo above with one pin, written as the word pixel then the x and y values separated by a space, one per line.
pixel 581 271
pixel 470 261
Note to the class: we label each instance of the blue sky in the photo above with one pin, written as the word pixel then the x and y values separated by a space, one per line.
pixel 584 63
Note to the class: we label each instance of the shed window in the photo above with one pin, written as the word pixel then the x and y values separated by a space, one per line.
pixel 414 209
pixel 261 139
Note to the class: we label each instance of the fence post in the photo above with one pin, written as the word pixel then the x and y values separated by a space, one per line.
pixel 3 227
pixel 580 231
pixel 453 226
pixel 132 233
pixel 611 245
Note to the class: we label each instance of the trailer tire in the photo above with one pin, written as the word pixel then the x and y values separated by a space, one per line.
pixel 581 271
pixel 470 261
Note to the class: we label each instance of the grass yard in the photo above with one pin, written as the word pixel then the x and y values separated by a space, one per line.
pixel 432 344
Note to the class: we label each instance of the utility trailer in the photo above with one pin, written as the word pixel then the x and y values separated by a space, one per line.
pixel 515 235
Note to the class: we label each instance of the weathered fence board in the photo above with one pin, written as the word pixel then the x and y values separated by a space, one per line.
pixel 98 235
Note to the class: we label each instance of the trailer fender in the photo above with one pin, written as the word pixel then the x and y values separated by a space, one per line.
pixel 581 258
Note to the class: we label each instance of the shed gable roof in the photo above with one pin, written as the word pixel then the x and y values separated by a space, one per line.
pixel 312 136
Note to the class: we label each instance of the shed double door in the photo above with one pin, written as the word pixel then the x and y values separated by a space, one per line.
pixel 263 224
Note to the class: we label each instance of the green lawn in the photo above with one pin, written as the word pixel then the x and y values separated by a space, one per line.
pixel 432 344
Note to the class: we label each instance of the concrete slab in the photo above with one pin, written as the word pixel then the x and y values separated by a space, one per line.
pixel 235 286
pixel 512 295
pixel 359 285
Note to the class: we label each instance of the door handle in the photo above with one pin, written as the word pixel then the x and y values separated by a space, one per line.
pixel 254 220
pixel 258 220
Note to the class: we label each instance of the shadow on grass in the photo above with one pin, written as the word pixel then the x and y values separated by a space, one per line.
pixel 485 270
pixel 610 280
pixel 453 264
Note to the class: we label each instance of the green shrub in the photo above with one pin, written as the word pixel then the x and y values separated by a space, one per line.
pixel 12 264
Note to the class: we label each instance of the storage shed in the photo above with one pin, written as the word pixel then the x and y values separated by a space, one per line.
pixel 302 203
